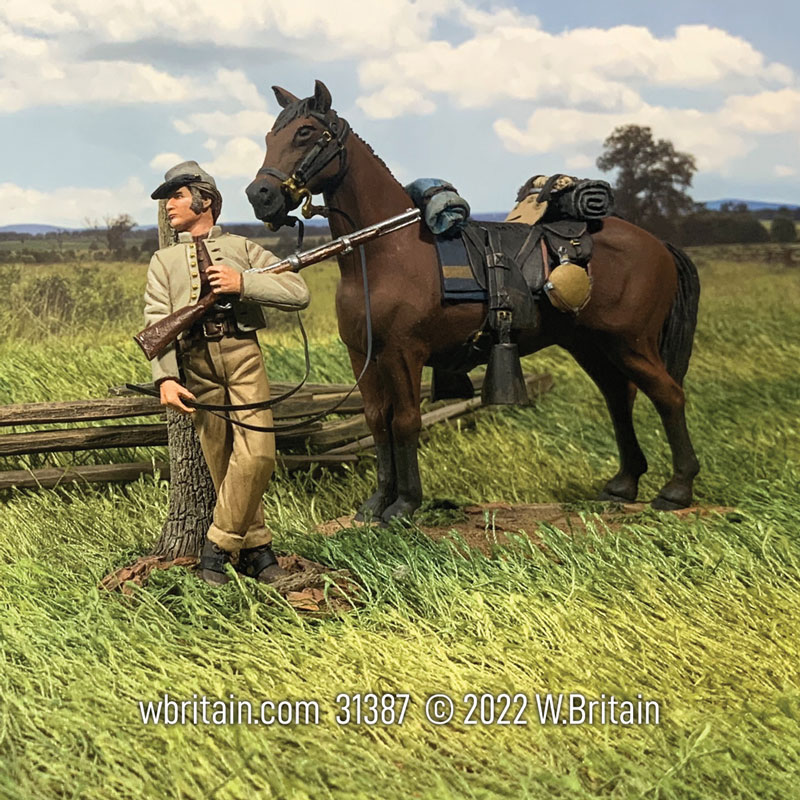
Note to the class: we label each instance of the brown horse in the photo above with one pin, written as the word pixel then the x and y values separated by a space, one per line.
pixel 635 332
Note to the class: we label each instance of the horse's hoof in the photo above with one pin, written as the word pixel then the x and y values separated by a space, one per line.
pixel 622 488
pixel 608 497
pixel 372 509
pixel 662 503
pixel 400 509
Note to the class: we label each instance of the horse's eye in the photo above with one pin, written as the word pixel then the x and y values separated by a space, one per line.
pixel 304 132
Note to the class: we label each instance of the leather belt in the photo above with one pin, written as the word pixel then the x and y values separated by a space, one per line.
pixel 213 328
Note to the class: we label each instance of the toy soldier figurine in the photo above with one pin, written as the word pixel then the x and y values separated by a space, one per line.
pixel 218 362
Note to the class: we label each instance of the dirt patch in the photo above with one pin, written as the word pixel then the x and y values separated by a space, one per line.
pixel 488 525
pixel 310 587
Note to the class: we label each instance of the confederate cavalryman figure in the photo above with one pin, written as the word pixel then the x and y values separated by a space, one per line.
pixel 219 362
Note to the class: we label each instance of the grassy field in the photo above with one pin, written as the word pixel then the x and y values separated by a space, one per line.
pixel 701 615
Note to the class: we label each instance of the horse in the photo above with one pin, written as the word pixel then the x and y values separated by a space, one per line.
pixel 635 333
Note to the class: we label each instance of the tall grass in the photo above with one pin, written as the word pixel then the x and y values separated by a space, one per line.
pixel 699 614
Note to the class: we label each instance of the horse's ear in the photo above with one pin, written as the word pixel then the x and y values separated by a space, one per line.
pixel 322 97
pixel 283 97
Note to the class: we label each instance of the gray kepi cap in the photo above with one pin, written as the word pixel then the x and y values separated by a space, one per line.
pixel 182 175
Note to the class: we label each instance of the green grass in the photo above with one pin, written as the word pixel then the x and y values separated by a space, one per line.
pixel 701 614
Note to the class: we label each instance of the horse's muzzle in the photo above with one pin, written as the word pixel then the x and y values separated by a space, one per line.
pixel 267 199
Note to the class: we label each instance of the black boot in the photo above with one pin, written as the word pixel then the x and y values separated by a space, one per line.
pixel 212 564
pixel 260 563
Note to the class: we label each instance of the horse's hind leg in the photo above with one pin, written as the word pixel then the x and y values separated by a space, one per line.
pixel 378 412
pixel 619 394
pixel 650 374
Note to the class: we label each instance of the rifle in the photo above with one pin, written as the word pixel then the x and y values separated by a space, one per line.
pixel 155 339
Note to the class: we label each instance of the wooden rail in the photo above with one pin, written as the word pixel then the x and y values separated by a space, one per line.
pixel 339 439
pixel 123 473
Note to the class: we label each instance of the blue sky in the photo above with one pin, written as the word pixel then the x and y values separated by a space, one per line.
pixel 97 99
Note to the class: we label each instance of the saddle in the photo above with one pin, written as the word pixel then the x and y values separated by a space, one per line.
pixel 511 285
pixel 533 251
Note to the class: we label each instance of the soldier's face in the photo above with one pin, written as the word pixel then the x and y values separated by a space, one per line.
pixel 179 210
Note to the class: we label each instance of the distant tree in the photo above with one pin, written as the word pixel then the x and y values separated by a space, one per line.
pixel 116 228
pixel 652 177
pixel 783 230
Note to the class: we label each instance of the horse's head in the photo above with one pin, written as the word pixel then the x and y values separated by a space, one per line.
pixel 305 155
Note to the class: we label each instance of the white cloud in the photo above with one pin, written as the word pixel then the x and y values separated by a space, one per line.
pixel 696 132
pixel 784 171
pixel 49 80
pixel 395 101
pixel 218 123
pixel 579 161
pixel 766 112
pixel 239 157
pixel 164 161
pixel 70 206
pixel 588 68
pixel 320 31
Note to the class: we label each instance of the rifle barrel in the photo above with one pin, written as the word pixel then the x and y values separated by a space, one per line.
pixel 343 244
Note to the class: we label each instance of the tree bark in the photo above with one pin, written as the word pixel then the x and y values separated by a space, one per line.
pixel 191 492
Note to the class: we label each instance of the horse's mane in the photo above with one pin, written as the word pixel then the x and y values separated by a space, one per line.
pixel 375 156
pixel 302 108
pixel 289 114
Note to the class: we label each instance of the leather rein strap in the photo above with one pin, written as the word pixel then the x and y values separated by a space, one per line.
pixel 216 409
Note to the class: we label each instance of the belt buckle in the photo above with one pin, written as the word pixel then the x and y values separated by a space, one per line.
pixel 213 329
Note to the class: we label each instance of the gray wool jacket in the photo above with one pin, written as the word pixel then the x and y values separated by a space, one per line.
pixel 173 281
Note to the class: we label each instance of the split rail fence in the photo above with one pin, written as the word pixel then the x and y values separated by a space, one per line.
pixel 334 442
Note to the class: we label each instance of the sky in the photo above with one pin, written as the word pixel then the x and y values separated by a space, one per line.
pixel 99 99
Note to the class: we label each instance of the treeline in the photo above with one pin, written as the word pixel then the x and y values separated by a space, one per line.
pixel 732 224
pixel 81 246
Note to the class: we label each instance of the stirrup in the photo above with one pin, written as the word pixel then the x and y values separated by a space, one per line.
pixel 253 560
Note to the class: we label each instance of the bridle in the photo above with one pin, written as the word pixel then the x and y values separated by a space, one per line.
pixel 330 145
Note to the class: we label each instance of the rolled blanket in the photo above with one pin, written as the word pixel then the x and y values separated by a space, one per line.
pixel 589 199
pixel 442 207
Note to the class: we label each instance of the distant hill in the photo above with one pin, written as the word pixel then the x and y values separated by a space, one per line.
pixel 752 205
pixel 320 227
pixel 33 228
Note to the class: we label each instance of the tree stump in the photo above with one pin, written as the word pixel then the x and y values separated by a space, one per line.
pixel 191 492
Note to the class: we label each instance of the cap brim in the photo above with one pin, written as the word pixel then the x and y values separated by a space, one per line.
pixel 168 187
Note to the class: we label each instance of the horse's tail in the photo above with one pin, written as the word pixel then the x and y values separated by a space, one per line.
pixel 677 334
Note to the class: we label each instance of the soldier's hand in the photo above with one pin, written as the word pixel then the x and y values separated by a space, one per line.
pixel 224 279
pixel 172 394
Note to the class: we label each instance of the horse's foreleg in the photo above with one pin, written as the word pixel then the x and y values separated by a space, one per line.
pixel 650 374
pixel 401 373
pixel 377 412
pixel 619 394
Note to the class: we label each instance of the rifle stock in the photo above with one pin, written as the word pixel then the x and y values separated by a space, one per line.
pixel 155 338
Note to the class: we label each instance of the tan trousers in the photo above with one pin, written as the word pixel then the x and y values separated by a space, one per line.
pixel 241 462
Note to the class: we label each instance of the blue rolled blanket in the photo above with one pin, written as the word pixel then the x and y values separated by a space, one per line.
pixel 442 206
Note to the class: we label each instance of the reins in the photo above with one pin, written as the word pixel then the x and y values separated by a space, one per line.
pixel 266 404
